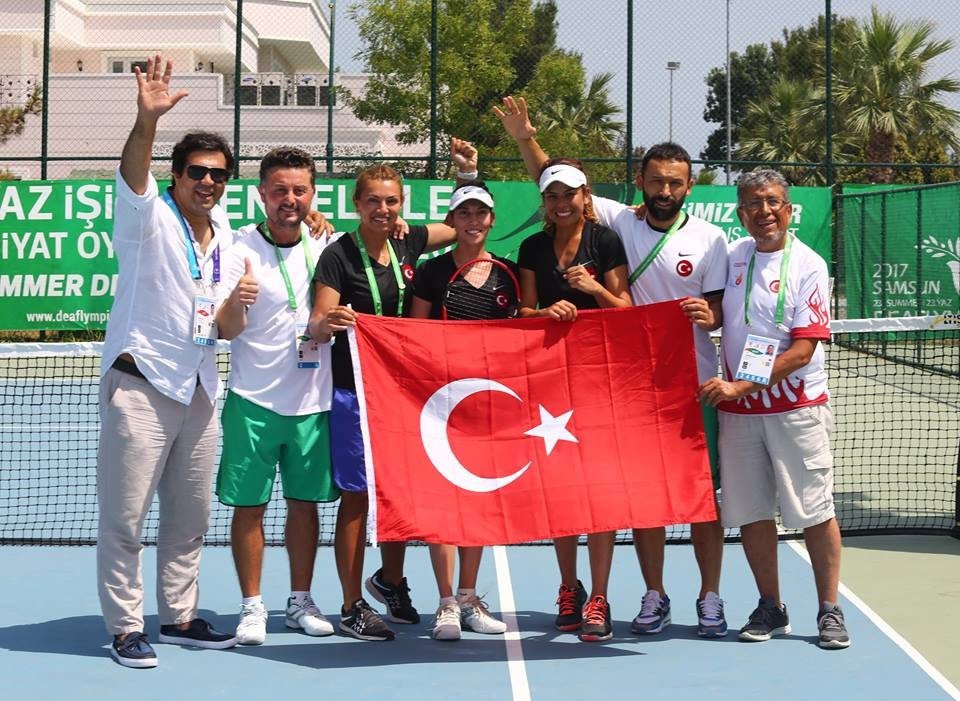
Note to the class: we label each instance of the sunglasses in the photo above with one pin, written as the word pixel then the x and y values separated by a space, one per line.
pixel 217 175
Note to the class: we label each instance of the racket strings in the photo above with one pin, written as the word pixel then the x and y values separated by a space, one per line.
pixel 481 291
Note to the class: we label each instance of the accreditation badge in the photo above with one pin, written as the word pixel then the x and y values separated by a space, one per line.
pixel 308 349
pixel 756 361
pixel 204 320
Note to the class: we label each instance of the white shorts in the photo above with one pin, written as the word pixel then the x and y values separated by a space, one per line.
pixel 763 456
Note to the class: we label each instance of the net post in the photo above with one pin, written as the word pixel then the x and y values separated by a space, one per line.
pixel 955 531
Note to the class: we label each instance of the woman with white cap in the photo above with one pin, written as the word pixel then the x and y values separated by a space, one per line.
pixel 471 215
pixel 574 263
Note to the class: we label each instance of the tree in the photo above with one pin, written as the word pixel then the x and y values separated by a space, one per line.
pixel 14 119
pixel 882 88
pixel 751 76
pixel 487 49
pixel 885 108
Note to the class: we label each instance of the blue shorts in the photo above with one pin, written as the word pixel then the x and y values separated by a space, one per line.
pixel 346 442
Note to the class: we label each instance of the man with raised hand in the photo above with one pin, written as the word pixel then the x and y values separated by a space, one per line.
pixel 276 412
pixel 159 431
pixel 670 255
pixel 775 418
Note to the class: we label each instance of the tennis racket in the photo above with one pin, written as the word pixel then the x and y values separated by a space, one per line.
pixel 483 288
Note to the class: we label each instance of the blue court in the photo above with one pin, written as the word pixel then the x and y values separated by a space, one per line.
pixel 53 644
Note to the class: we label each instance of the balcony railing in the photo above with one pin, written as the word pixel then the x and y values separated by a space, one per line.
pixel 279 90
pixel 16 89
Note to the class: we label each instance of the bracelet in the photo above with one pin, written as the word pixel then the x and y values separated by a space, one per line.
pixel 469 175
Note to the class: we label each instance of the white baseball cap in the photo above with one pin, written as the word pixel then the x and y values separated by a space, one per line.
pixel 470 192
pixel 568 175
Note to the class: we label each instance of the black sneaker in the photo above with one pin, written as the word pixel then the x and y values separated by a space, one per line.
pixel 767 620
pixel 833 630
pixel 570 603
pixel 133 651
pixel 199 634
pixel 364 623
pixel 395 596
pixel 596 625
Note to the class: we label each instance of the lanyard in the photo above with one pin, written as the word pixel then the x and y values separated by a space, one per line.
pixel 195 271
pixel 781 293
pixel 291 297
pixel 651 256
pixel 372 280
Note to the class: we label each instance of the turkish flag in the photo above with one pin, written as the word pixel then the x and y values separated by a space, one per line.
pixel 490 432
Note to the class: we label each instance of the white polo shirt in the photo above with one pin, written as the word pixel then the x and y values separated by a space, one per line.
pixel 152 314
pixel 806 314
pixel 692 263
pixel 263 358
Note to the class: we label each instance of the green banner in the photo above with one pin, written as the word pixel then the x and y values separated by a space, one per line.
pixel 57 267
pixel 901 249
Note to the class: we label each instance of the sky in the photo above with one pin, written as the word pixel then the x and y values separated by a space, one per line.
pixel 691 32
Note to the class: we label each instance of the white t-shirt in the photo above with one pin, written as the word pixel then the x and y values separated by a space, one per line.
pixel 806 314
pixel 692 263
pixel 152 314
pixel 263 357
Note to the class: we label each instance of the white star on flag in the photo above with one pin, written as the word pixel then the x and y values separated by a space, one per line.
pixel 552 429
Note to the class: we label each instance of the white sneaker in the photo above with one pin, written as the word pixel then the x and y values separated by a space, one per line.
pixel 476 616
pixel 252 628
pixel 307 617
pixel 447 624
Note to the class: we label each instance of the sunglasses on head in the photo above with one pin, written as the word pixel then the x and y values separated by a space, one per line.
pixel 217 175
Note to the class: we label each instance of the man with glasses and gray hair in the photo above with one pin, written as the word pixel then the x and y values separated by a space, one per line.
pixel 775 417
pixel 159 381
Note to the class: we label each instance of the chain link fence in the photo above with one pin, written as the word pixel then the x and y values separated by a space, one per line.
pixel 357 82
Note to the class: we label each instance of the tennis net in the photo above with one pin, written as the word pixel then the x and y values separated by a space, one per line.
pixel 895 387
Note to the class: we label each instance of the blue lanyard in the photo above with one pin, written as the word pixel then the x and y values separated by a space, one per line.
pixel 195 271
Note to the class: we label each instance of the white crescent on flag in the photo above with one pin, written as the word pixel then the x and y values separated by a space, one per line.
pixel 433 432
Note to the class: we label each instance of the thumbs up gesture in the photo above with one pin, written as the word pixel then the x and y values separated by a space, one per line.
pixel 245 292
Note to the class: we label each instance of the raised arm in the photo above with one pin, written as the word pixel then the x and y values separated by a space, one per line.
pixel 463 155
pixel 516 121
pixel 153 101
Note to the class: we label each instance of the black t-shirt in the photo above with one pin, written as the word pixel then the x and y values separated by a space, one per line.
pixel 431 278
pixel 600 250
pixel 341 268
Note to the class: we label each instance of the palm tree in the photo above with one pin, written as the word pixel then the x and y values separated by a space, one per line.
pixel 589 119
pixel 780 128
pixel 882 91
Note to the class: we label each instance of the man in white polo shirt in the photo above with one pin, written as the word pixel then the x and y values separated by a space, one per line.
pixel 276 412
pixel 670 256
pixel 775 418
pixel 159 430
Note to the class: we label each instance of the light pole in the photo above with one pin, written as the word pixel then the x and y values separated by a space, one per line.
pixel 672 66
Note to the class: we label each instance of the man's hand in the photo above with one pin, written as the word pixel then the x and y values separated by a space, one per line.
pixel 400 229
pixel 464 155
pixel 715 390
pixel 153 86
pixel 514 118
pixel 318 225
pixel 699 312
pixel 247 288
pixel 640 211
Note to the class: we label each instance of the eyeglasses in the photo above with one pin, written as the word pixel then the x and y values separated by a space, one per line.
pixel 217 175
pixel 773 204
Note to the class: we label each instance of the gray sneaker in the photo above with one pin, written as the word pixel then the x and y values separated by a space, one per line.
pixel 833 630
pixel 767 620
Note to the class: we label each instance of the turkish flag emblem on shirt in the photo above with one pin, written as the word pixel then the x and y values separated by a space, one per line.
pixel 490 432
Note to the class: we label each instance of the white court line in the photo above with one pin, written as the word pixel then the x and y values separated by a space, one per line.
pixel 888 630
pixel 508 607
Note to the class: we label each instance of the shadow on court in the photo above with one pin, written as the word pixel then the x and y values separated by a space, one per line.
pixel 83 636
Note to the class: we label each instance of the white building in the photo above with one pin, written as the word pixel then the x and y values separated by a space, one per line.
pixel 94 45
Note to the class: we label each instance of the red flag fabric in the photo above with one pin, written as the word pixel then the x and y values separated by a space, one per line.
pixel 495 432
